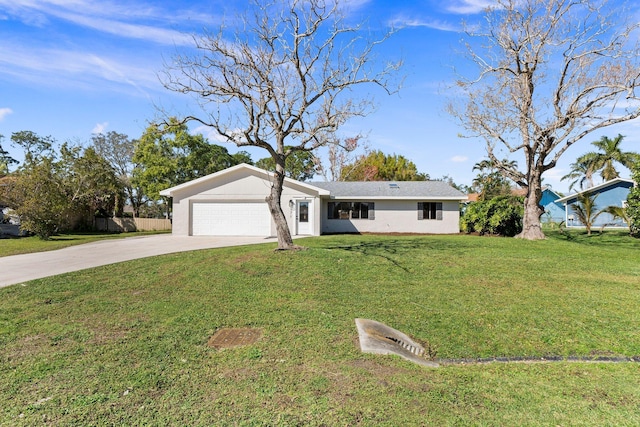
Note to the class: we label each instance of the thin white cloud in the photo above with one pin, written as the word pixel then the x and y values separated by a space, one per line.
pixel 404 22
pixel 459 159
pixel 349 5
pixel 622 104
pixel 467 7
pixel 69 68
pixel 24 11
pixel 133 31
pixel 4 112
pixel 120 73
pixel 109 17
pixel 553 178
pixel 209 133
pixel 100 127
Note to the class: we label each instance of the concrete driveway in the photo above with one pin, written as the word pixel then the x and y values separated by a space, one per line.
pixel 22 268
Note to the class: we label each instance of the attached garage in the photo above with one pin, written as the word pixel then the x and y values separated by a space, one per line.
pixel 230 219
pixel 232 202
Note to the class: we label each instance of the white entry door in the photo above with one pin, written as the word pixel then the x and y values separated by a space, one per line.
pixel 303 217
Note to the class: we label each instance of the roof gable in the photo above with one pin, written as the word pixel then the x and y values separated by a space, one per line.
pixel 242 169
pixel 598 188
pixel 552 193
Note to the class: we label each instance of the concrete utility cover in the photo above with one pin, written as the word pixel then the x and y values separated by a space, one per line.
pixel 378 338
pixel 234 337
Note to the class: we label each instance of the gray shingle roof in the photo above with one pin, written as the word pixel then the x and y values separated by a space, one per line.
pixel 392 189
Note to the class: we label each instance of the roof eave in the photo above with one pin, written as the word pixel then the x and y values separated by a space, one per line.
pixel 169 192
pixel 594 188
pixel 369 198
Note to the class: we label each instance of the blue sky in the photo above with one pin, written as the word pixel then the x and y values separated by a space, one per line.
pixel 70 68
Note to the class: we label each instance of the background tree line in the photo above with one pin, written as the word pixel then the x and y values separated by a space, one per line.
pixel 60 187
pixel 64 186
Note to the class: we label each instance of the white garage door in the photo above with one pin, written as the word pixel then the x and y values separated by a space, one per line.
pixel 230 219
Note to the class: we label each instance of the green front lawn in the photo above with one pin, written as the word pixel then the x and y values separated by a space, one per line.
pixel 126 344
pixel 25 245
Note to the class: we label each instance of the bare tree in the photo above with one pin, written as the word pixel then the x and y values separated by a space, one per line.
pixel 549 73
pixel 340 153
pixel 280 81
pixel 118 149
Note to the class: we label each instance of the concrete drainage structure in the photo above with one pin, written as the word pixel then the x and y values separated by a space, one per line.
pixel 378 338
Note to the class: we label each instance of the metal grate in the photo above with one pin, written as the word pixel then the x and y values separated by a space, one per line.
pixel 418 351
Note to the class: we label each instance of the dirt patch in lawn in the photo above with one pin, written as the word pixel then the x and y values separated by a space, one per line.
pixel 27 347
pixel 234 337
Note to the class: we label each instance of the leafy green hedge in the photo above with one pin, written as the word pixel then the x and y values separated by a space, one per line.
pixel 501 215
pixel 633 204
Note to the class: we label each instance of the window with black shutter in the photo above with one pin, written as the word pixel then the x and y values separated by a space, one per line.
pixel 430 210
pixel 350 210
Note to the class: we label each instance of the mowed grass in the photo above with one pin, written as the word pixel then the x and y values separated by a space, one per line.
pixel 23 245
pixel 126 344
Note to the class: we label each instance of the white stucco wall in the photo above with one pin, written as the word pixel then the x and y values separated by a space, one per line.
pixel 391 216
pixel 238 187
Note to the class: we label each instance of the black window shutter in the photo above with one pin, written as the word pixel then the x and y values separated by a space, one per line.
pixel 331 207
pixel 372 213
pixel 420 211
pixel 439 211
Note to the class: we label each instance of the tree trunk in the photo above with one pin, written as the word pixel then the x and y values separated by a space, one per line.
pixel 285 242
pixel 531 226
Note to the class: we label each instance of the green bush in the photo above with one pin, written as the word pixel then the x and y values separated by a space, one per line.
pixel 633 204
pixel 501 215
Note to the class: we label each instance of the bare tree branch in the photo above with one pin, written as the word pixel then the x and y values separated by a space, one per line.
pixel 550 72
pixel 281 80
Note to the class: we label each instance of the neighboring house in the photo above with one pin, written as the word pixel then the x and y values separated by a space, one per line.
pixel 553 210
pixel 232 202
pixel 9 224
pixel 610 193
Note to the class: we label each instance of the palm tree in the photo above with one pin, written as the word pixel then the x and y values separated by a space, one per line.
pixel 491 181
pixel 610 153
pixel 490 165
pixel 585 210
pixel 580 173
pixel 619 212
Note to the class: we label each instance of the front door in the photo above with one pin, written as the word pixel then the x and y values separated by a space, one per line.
pixel 303 214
